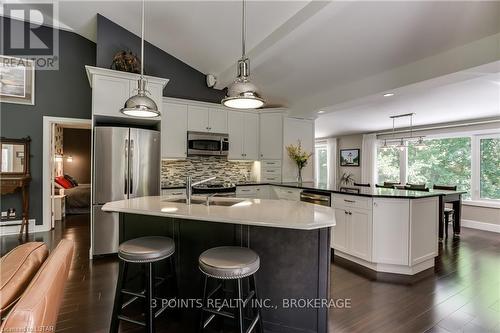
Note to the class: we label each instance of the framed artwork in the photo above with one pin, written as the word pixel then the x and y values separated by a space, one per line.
pixel 17 80
pixel 349 157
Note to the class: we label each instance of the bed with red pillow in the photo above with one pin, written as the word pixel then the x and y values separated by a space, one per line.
pixel 77 195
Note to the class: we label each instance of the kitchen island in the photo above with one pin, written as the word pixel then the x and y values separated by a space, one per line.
pixel 384 233
pixel 291 238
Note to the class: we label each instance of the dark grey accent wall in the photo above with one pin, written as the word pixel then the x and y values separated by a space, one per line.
pixel 185 81
pixel 62 93
pixel 76 143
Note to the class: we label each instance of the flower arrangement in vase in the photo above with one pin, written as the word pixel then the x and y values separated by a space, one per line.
pixel 299 156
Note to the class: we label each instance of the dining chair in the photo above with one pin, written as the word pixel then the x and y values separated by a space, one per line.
pixel 449 213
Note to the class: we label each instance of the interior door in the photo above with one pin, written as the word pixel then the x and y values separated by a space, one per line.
pixel 110 164
pixel 144 160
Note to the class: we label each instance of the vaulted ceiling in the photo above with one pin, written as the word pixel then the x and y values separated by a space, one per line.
pixel 311 55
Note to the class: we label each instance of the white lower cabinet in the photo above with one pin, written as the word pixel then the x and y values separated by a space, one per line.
pixel 173 191
pixel 340 234
pixel 352 233
pixel 287 193
pixel 391 224
pixel 360 221
pixel 258 192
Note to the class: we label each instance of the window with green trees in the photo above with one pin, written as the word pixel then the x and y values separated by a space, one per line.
pixel 388 165
pixel 443 162
pixel 471 162
pixel 489 168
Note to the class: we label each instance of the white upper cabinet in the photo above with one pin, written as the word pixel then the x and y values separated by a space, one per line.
pixel 243 129
pixel 109 95
pixel 271 136
pixel 174 122
pixel 235 131
pixel 110 90
pixel 198 118
pixel 205 119
pixel 251 136
pixel 217 120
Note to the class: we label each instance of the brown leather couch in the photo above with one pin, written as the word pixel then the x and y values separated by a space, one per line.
pixel 38 307
pixel 17 269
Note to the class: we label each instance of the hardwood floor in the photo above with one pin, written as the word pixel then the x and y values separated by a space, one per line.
pixel 463 295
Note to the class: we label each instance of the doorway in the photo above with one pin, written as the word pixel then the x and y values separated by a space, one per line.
pixel 67 146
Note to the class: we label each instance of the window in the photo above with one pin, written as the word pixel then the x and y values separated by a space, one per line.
pixel 443 162
pixel 471 162
pixel 321 163
pixel 388 165
pixel 489 165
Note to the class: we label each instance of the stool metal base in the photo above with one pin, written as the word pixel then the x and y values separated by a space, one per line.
pixel 242 303
pixel 150 283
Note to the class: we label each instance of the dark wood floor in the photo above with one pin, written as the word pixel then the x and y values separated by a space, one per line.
pixel 463 295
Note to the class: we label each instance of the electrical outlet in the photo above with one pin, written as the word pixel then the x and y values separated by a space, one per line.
pixel 4 214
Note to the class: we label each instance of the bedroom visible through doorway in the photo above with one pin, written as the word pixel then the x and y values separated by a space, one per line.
pixel 67 188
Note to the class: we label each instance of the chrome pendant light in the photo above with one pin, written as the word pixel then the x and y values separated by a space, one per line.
pixel 243 94
pixel 140 105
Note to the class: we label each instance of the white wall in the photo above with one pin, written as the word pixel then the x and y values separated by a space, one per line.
pixel 349 142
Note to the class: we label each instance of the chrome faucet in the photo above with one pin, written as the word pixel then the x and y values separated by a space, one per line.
pixel 190 184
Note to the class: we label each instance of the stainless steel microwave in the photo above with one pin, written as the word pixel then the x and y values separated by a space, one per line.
pixel 207 144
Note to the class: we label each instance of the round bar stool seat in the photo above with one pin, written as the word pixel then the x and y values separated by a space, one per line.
pixel 146 249
pixel 229 262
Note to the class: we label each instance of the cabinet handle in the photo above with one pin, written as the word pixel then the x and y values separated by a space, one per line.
pixel 350 201
pixel 345 212
pixel 350 213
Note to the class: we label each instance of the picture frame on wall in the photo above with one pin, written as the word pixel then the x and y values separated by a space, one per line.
pixel 17 80
pixel 349 157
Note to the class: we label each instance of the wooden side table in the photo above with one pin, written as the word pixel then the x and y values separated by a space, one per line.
pixel 12 184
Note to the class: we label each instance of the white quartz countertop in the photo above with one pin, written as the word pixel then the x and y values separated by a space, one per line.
pixel 257 212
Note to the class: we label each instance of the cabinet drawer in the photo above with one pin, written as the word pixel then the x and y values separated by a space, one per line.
pixel 271 171
pixel 287 193
pixel 270 164
pixel 246 191
pixel 271 178
pixel 174 191
pixel 342 200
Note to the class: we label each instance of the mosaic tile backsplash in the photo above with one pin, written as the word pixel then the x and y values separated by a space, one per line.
pixel 173 173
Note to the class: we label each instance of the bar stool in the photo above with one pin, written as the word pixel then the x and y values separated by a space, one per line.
pixel 230 263
pixel 145 251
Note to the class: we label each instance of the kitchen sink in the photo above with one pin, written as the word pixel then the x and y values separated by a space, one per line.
pixel 211 202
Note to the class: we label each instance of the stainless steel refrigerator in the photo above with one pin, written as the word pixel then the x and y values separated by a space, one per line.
pixel 126 165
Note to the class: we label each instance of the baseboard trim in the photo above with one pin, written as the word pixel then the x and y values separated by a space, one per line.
pixel 13 227
pixel 481 225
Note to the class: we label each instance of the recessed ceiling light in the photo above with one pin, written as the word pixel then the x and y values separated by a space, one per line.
pixel 388 94
pixel 321 111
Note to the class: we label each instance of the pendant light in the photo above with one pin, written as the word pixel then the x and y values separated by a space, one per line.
pixel 242 94
pixel 420 145
pixel 140 105
pixel 385 147
pixel 401 146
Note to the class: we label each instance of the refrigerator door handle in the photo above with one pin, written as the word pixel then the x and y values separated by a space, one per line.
pixel 125 171
pixel 131 164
